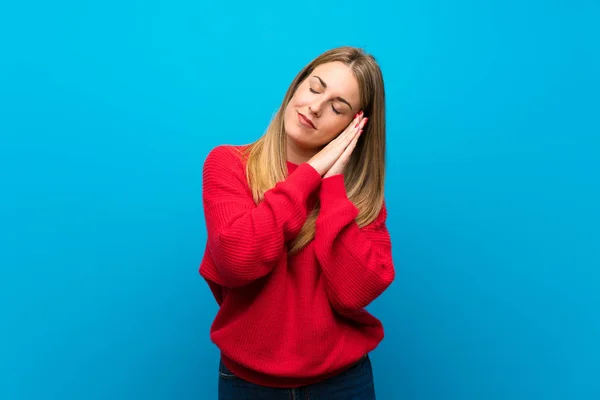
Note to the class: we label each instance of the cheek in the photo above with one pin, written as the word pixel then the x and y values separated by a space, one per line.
pixel 333 128
pixel 301 97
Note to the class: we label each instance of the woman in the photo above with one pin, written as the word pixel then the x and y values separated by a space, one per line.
pixel 297 242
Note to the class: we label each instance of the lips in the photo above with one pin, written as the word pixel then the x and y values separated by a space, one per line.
pixel 304 120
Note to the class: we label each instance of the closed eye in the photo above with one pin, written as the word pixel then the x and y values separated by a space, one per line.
pixel 332 107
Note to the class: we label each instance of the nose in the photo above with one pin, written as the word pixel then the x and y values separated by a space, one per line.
pixel 316 107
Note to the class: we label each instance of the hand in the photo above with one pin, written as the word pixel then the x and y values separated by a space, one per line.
pixel 340 165
pixel 329 155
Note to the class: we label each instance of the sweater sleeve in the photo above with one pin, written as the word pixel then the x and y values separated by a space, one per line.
pixel 246 240
pixel 357 262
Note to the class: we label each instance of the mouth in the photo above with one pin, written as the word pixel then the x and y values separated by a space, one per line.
pixel 304 120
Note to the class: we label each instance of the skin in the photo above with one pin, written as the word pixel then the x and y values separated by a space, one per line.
pixel 330 98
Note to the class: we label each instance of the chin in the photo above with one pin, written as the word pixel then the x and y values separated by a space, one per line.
pixel 298 138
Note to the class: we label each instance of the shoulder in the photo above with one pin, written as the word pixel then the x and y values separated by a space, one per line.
pixel 226 153
pixel 226 162
pixel 227 156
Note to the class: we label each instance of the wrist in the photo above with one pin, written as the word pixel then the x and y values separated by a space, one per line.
pixel 329 175
pixel 335 181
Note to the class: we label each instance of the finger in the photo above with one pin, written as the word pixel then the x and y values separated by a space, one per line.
pixel 343 140
pixel 352 144
pixel 362 123
pixel 354 132
pixel 352 127
pixel 357 124
pixel 348 151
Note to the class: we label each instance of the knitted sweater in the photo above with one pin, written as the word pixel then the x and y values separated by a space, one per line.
pixel 290 320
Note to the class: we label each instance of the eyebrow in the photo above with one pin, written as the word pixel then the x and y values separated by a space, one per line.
pixel 325 87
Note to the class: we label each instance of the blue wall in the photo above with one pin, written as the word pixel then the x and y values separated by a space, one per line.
pixel 107 111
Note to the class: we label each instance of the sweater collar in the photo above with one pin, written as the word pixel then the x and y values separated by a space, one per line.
pixel 291 166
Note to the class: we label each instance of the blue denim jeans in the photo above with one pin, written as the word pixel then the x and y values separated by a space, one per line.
pixel 356 383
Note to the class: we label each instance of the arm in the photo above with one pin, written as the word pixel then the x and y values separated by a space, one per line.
pixel 357 262
pixel 246 240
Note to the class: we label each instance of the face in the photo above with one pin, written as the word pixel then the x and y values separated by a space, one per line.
pixel 321 108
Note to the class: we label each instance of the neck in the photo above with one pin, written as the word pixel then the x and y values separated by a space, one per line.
pixel 299 155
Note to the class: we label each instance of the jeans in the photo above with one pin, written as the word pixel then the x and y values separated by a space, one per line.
pixel 356 383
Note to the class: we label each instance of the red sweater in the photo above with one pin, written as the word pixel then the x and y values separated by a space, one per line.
pixel 289 321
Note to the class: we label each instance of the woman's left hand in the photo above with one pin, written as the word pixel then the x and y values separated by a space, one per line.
pixel 340 165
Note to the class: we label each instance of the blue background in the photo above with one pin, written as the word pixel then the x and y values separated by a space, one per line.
pixel 108 109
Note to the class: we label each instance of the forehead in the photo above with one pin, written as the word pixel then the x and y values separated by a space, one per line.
pixel 340 80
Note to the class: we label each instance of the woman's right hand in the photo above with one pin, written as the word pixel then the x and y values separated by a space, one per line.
pixel 324 159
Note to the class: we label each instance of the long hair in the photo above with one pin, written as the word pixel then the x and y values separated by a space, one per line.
pixel 365 173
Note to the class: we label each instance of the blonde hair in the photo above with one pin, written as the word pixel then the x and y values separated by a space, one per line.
pixel 365 173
